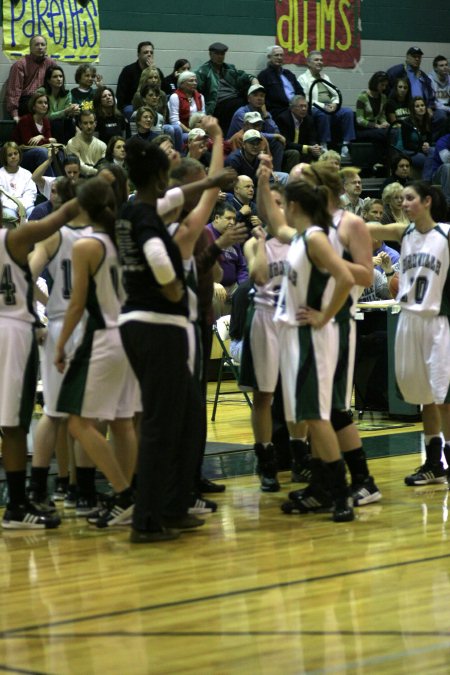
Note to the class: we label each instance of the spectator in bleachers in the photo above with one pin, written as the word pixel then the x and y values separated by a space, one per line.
pixel 17 190
pixel 115 151
pixel 185 101
pixel 241 199
pixel 53 202
pixel 325 101
pixel 392 198
pixel 252 120
pixel 397 106
pixel 197 146
pixel 279 83
pixel 25 76
pixel 440 81
pixel 400 171
pixel 256 97
pixel 110 121
pixel 89 149
pixel 83 95
pixel 223 85
pixel 71 168
pixel 170 83
pixel 256 102
pixel 145 119
pixel 150 76
pixel 351 199
pixel 332 157
pixel 441 165
pixel 371 121
pixel 420 85
pixel 421 121
pixel 299 130
pixel 246 160
pixel 372 212
pixel 34 130
pixel 61 111
pixel 231 261
pixel 128 81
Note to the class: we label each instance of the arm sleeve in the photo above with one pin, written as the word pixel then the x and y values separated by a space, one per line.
pixel 158 260
pixel 174 110
pixel 173 199
pixel 14 88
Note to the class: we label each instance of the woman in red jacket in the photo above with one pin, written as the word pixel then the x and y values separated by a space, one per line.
pixel 185 101
pixel 33 130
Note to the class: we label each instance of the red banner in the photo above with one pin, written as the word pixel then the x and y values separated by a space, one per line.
pixel 329 26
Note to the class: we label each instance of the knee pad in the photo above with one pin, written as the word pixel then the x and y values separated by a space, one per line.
pixel 341 419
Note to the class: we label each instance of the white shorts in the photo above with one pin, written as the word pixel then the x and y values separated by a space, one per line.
pixel 51 377
pixel 308 360
pixel 99 382
pixel 18 367
pixel 265 348
pixel 422 358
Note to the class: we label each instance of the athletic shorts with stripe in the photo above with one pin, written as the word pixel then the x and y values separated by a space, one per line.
pixel 99 382
pixel 343 377
pixel 260 358
pixel 18 366
pixel 308 359
pixel 422 358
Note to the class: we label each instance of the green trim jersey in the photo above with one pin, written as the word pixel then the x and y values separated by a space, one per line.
pixel 304 285
pixel 424 280
pixel 60 271
pixel 105 292
pixel 266 296
pixel 349 306
pixel 16 286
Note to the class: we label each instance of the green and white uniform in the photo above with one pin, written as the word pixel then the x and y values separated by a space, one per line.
pixel 99 382
pixel 260 359
pixel 308 356
pixel 422 343
pixel 18 350
pixel 60 288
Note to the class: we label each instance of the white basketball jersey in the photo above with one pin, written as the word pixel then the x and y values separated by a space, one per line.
pixel 333 235
pixel 16 286
pixel 60 271
pixel 303 283
pixel 105 293
pixel 424 284
pixel 266 296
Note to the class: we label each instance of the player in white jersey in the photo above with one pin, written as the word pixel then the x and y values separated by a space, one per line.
pixel 18 355
pixel 422 342
pixel 99 382
pixel 54 254
pixel 350 238
pixel 308 337
pixel 260 360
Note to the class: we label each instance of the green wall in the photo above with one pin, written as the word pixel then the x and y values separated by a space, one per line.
pixel 409 20
pixel 403 20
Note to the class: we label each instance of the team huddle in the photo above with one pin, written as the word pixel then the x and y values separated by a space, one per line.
pixel 126 338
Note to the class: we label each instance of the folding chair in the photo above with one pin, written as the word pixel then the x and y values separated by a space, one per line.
pixel 221 330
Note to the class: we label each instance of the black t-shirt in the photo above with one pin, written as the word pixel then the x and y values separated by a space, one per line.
pixel 138 223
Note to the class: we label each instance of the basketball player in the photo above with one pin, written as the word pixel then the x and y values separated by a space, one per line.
pixel 18 354
pixel 260 360
pixel 99 383
pixel 422 341
pixel 308 338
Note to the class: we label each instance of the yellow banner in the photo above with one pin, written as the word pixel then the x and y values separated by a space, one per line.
pixel 71 28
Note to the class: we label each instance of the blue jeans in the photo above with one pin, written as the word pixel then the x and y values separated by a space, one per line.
pixel 343 121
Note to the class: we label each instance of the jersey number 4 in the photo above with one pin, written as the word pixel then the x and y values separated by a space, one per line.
pixel 7 286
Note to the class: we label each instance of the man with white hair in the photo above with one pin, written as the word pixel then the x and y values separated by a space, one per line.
pixel 324 105
pixel 279 83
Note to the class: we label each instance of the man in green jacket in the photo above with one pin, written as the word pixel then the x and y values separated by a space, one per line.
pixel 223 85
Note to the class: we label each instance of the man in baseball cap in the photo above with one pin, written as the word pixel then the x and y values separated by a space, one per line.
pixel 222 85
pixel 421 85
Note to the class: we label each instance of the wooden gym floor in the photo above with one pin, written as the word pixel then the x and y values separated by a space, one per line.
pixel 253 591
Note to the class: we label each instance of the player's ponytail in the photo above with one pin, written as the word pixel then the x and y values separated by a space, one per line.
pixel 312 200
pixel 439 209
pixel 97 198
